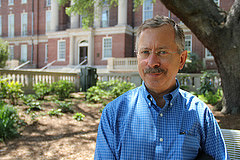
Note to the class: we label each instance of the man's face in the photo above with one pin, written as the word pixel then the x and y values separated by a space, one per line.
pixel 158 60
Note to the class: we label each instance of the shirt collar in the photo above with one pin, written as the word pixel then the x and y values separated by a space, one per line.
pixel 170 97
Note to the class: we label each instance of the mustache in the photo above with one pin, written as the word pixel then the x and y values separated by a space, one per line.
pixel 154 70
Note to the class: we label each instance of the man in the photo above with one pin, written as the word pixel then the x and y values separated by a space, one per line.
pixel 158 120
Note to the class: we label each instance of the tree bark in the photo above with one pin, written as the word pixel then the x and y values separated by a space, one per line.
pixel 219 32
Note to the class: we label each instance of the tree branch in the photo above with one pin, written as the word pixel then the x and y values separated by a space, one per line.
pixel 203 18
pixel 233 22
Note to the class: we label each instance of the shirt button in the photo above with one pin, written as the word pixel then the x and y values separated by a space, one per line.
pixel 171 104
pixel 149 104
pixel 161 139
pixel 150 98
pixel 161 114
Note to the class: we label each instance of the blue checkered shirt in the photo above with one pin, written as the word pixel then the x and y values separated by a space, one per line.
pixel 134 127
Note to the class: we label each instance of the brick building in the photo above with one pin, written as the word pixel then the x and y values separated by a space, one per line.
pixel 39 31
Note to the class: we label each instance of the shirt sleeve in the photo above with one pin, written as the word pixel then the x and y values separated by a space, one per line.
pixel 105 138
pixel 214 141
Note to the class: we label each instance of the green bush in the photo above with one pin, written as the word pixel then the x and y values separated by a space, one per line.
pixel 193 64
pixel 14 92
pixel 79 116
pixel 3 53
pixel 107 90
pixel 34 106
pixel 62 89
pixel 3 88
pixel 9 122
pixel 55 112
pixel 121 87
pixel 207 84
pixel 64 106
pixel 41 90
pixel 211 98
pixel 28 98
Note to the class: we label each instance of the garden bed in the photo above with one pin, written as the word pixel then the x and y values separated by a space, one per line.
pixel 63 137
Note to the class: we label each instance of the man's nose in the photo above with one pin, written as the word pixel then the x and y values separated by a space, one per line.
pixel 153 60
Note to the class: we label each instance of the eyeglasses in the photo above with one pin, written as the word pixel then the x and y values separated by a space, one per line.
pixel 144 54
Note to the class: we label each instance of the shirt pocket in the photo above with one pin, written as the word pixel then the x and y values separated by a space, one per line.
pixel 188 146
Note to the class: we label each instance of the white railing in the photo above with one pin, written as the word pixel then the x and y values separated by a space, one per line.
pixel 29 78
pixel 190 82
pixel 122 64
pixel 132 77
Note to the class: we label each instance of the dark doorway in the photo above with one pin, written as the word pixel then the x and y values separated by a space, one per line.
pixel 83 53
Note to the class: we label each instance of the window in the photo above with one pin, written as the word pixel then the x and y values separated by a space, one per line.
pixel 0 3
pixel 105 16
pixel 48 2
pixel 24 1
pixel 208 54
pixel 10 2
pixel 23 53
pixel 11 52
pixel 107 47
pixel 61 50
pixel 147 10
pixel 10 25
pixel 46 53
pixel 188 43
pixel 24 20
pixel 217 2
pixel 0 25
pixel 48 21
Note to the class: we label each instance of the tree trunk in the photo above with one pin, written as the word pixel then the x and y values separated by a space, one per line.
pixel 219 31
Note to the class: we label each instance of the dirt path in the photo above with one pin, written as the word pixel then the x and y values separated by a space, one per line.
pixel 56 138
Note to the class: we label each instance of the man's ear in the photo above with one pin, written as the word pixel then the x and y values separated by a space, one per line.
pixel 183 58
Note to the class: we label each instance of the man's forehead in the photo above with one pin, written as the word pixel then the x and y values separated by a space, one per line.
pixel 164 27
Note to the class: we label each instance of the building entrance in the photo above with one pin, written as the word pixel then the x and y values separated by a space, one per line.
pixel 83 54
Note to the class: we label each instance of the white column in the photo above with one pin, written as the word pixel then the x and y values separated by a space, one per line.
pixel 72 49
pixel 74 19
pixel 91 48
pixel 54 15
pixel 97 15
pixel 122 12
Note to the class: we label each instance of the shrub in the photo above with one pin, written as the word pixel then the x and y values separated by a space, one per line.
pixel 79 116
pixel 27 99
pixel 193 64
pixel 211 98
pixel 41 90
pixel 34 106
pixel 64 106
pixel 9 122
pixel 3 88
pixel 55 112
pixel 207 84
pixel 107 90
pixel 62 89
pixel 121 87
pixel 14 92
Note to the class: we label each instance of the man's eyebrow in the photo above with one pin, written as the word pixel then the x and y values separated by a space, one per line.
pixel 163 47
pixel 145 48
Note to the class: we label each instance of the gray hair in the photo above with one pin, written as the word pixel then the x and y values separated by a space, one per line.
pixel 159 21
